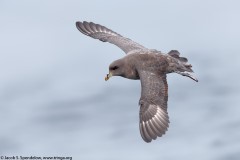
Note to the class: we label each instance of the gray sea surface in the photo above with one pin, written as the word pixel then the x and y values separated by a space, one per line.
pixel 54 100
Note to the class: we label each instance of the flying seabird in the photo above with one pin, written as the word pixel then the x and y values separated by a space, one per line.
pixel 151 67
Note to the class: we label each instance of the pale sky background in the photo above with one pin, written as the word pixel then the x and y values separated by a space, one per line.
pixel 54 100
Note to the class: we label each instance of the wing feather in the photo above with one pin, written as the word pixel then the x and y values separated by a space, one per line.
pixel 82 29
pixel 154 120
pixel 104 34
pixel 93 27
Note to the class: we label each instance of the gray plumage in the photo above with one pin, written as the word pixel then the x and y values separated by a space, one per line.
pixel 106 35
pixel 151 67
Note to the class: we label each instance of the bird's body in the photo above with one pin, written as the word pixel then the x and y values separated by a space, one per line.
pixel 147 62
pixel 151 67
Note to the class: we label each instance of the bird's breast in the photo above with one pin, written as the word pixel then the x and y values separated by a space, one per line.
pixel 131 74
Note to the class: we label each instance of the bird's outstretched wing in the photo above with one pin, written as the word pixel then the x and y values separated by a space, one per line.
pixel 106 35
pixel 154 120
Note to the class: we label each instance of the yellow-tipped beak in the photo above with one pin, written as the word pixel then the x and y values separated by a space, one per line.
pixel 108 76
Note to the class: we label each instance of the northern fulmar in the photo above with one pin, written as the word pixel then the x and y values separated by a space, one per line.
pixel 151 67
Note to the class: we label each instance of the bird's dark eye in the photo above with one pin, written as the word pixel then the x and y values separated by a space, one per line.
pixel 114 68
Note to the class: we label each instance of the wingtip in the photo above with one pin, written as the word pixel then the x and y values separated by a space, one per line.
pixel 82 27
pixel 147 141
pixel 78 23
pixel 193 78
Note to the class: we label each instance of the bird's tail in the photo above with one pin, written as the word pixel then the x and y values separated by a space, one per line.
pixel 179 65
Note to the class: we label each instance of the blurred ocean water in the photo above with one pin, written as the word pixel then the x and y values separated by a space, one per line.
pixel 54 100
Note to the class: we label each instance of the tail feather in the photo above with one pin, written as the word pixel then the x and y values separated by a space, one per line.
pixel 185 66
pixel 179 65
pixel 183 59
pixel 176 54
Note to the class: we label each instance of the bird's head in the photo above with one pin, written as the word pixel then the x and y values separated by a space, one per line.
pixel 115 69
